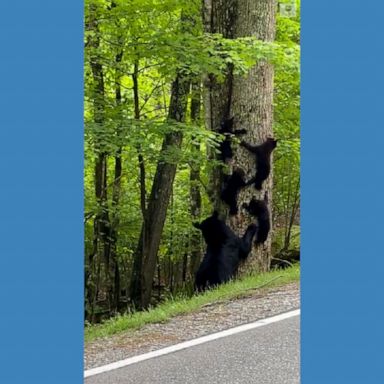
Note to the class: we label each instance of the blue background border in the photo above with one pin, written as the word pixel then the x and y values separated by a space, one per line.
pixel 342 196
pixel 41 168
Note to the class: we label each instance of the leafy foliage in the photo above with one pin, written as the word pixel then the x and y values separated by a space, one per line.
pixel 287 130
pixel 140 46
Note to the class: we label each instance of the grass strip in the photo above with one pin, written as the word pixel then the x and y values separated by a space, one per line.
pixel 183 305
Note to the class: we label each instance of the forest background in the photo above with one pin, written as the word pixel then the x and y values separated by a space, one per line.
pixel 159 78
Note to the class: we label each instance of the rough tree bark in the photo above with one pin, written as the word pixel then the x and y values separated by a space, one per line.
pixel 249 99
pixel 146 252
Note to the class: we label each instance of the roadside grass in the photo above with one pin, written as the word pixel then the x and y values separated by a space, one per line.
pixel 182 305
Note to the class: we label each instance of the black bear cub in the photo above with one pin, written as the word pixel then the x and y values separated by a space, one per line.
pixel 263 160
pixel 259 209
pixel 226 129
pixel 232 186
pixel 224 251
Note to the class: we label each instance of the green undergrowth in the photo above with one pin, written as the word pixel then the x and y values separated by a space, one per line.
pixel 182 305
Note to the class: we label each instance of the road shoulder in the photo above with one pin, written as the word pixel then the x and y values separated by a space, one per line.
pixel 211 318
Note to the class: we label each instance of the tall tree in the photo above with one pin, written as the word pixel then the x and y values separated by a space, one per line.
pixel 248 98
pixel 194 178
pixel 113 285
pixel 148 246
pixel 101 245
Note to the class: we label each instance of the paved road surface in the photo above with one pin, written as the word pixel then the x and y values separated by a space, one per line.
pixel 265 355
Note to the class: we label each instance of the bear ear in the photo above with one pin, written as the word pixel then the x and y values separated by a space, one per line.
pixel 197 225
pixel 227 123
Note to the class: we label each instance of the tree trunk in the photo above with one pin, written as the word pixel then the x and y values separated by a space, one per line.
pixel 114 285
pixel 138 261
pixel 249 99
pixel 194 192
pixel 101 220
pixel 146 252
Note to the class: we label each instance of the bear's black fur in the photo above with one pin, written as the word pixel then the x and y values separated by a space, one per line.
pixel 263 160
pixel 226 129
pixel 233 184
pixel 259 209
pixel 224 252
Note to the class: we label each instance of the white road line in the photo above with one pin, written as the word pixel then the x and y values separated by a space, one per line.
pixel 190 343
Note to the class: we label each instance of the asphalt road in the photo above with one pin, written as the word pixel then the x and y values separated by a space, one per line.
pixel 265 355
